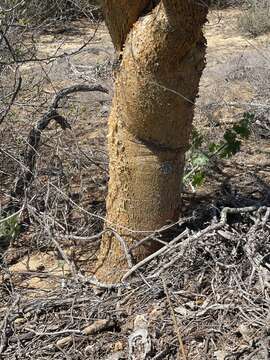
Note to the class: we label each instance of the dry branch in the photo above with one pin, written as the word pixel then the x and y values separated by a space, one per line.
pixel 176 327
pixel 92 329
pixel 181 248
pixel 205 289
pixel 14 95
pixel 34 138
pixel 190 239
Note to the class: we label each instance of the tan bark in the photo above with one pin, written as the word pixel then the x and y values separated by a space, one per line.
pixel 120 15
pixel 151 118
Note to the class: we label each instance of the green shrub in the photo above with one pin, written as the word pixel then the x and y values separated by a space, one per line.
pixel 9 230
pixel 255 20
pixel 202 153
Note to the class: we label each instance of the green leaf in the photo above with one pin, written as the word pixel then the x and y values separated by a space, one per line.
pixel 226 148
pixel 243 131
pixel 230 149
pixel 213 147
pixel 10 228
pixel 229 136
pixel 232 144
pixel 249 117
pixel 198 179
pixel 199 159
pixel 243 127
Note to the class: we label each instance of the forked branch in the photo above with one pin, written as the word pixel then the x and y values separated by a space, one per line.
pixel 33 143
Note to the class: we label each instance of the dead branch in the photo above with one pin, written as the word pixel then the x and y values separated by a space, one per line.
pixel 14 95
pixel 176 327
pixel 4 338
pixel 124 247
pixel 94 282
pixel 34 138
pixel 181 248
pixel 154 255
pixel 97 326
pixel 70 263
pixel 184 244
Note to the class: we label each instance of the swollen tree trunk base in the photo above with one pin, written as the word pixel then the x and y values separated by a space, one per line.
pixel 144 195
pixel 149 127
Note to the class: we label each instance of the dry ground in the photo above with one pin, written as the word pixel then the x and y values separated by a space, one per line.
pixel 218 286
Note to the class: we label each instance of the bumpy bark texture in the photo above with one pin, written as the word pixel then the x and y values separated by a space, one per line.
pixel 156 85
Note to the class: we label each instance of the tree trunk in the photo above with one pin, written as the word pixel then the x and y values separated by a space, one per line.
pixel 156 84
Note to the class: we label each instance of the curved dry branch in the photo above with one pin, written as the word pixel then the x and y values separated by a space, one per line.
pixel 34 137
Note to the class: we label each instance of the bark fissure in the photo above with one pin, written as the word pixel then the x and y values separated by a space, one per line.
pixel 155 146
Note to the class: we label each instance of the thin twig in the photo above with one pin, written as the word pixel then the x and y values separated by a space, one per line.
pixel 154 255
pixel 14 95
pixel 213 227
pixel 176 327
pixel 124 247
pixel 66 259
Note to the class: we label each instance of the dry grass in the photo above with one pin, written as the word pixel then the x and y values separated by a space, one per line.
pixel 34 11
pixel 255 20
pixel 221 4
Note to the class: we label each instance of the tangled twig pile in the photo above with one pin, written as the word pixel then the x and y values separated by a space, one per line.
pixel 210 288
